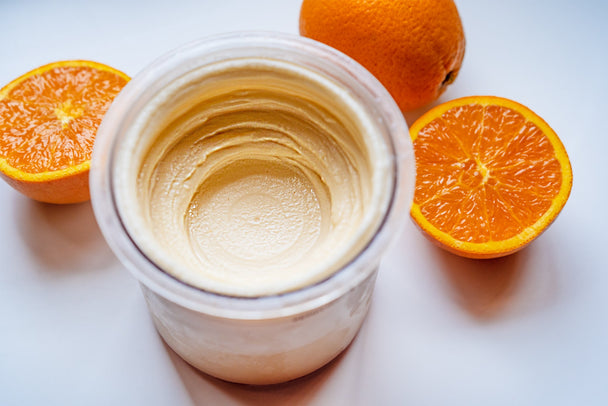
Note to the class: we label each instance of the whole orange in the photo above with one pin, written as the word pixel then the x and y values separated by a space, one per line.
pixel 414 47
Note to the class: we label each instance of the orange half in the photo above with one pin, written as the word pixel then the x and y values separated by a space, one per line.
pixel 48 121
pixel 491 176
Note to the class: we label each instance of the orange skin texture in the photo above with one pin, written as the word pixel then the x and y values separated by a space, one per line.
pixel 61 190
pixel 414 47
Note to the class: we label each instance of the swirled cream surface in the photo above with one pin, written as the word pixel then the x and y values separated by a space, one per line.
pixel 253 177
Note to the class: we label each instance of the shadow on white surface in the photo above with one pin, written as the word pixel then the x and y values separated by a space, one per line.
pixel 484 288
pixel 207 390
pixel 488 289
pixel 63 238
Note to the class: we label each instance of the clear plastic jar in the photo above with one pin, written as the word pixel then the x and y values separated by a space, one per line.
pixel 265 339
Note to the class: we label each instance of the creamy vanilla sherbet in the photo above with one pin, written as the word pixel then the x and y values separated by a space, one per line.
pixel 253 177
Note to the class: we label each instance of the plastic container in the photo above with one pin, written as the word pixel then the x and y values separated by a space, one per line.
pixel 265 339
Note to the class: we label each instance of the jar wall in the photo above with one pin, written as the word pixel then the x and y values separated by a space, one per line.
pixel 262 352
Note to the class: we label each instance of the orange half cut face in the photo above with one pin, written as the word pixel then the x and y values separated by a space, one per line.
pixel 491 176
pixel 48 121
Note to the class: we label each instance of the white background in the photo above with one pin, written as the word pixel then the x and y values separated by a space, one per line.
pixel 529 329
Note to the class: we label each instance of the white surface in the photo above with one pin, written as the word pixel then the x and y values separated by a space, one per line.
pixel 529 329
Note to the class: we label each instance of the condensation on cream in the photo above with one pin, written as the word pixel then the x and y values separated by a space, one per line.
pixel 253 177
